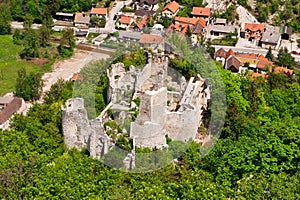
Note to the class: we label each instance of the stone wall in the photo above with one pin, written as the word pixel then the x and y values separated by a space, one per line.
pixel 148 129
pixel 80 132
pixel 143 76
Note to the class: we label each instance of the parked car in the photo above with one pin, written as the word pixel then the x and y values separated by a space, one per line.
pixel 115 17
pixel 295 52
pixel 115 4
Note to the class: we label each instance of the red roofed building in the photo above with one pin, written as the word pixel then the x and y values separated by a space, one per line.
pixel 141 24
pixel 155 42
pixel 263 63
pixel 253 31
pixel 81 19
pixel 190 21
pixel 8 106
pixel 171 9
pixel 74 77
pixel 99 12
pixel 201 12
pixel 125 21
pixel 246 61
pixel 197 26
pixel 229 53
pixel 284 70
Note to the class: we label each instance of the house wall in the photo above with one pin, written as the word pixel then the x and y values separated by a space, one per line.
pixel 169 14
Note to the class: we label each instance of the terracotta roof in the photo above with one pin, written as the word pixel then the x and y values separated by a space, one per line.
pixel 181 28
pixel 263 62
pixel 142 23
pixel 230 52
pixel 99 11
pixel 173 7
pixel 201 11
pixel 10 109
pixel 125 20
pixel 242 55
pixel 254 27
pixel 74 77
pixel 186 20
pixel 151 39
pixel 284 70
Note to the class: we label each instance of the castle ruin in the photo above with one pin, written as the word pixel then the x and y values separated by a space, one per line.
pixel 168 107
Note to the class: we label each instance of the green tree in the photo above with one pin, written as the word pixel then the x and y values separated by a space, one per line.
pixel 67 43
pixel 94 21
pixel 270 55
pixel 285 58
pixel 31 44
pixel 29 87
pixel 5 18
pixel 44 35
pixel 22 89
pixel 28 21
pixel 17 37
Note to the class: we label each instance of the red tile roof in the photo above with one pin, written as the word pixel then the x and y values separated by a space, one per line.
pixel 263 62
pixel 242 55
pixel 151 39
pixel 230 52
pixel 199 11
pixel 142 23
pixel 191 21
pixel 181 28
pixel 99 11
pixel 254 27
pixel 74 77
pixel 173 7
pixel 284 70
pixel 125 20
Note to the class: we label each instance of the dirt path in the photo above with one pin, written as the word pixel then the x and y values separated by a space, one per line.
pixel 64 69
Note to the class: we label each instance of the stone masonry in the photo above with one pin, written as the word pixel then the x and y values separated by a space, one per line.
pixel 80 132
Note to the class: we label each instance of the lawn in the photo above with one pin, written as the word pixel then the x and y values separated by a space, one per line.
pixel 225 41
pixel 10 63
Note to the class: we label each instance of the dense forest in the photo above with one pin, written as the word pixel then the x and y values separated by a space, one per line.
pixel 256 157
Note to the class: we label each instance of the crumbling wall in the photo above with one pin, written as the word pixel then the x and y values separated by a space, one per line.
pixel 75 124
pixel 80 132
pixel 143 76
pixel 148 135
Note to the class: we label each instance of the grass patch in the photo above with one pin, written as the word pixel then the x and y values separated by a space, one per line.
pixel 11 63
pixel 225 41
pixel 92 35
